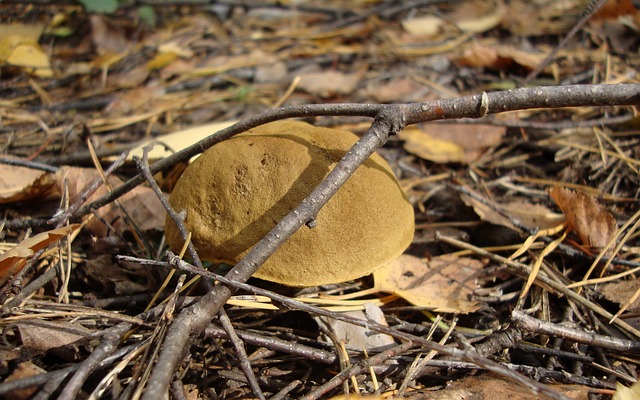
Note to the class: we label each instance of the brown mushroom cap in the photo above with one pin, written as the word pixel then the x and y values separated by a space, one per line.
pixel 239 189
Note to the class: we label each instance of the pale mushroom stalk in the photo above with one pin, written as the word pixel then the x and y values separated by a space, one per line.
pixel 197 317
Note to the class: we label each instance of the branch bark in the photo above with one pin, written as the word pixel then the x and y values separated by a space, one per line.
pixel 388 119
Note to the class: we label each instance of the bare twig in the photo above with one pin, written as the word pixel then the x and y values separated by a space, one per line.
pixel 357 369
pixel 592 7
pixel 530 324
pixel 389 119
pixel 468 355
pixel 245 365
pixel 461 107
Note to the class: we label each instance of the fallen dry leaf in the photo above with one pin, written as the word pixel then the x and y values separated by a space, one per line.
pixel 627 393
pixel 141 204
pixel 358 337
pixel 107 39
pixel 328 84
pixel 529 215
pixel 587 217
pixel 614 9
pixel 24 370
pixel 621 292
pixel 19 47
pixel 13 260
pixel 424 25
pixel 478 16
pixel 56 334
pixel 490 386
pixel 23 184
pixel 176 141
pixel 498 57
pixel 123 279
pixel 475 16
pixel 442 283
pixel 401 90
pixel 443 143
pixel 542 17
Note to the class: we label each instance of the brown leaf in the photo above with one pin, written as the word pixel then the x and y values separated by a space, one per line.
pixel 442 284
pixel 24 370
pixel 14 259
pixel 490 386
pixel 479 55
pixel 116 279
pixel 327 84
pixel 613 9
pixel 532 216
pixel 397 90
pixel 444 143
pixel 141 204
pixel 107 38
pixel 621 292
pixel 22 184
pixel 498 57
pixel 54 335
pixel 359 337
pixel 589 219
pixel 478 16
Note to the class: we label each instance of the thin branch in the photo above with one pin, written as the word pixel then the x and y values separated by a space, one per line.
pixel 287 302
pixel 461 107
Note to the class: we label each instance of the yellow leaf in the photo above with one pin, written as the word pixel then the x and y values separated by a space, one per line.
pixel 179 140
pixel 442 283
pixel 28 55
pixel 429 148
pixel 627 393
pixel 161 60
pixel 12 35
pixel 428 25
pixel 462 143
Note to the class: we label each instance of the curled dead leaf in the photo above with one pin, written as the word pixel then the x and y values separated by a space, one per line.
pixel 587 217
pixel 13 260
pixel 22 184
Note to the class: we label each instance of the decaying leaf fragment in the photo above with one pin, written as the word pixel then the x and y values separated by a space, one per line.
pixel 358 337
pixel 587 217
pixel 14 259
pixel 442 284
pixel 620 293
pixel 22 371
pixel 627 393
pixel 54 335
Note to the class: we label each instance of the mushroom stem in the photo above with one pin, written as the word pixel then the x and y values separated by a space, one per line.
pixel 197 317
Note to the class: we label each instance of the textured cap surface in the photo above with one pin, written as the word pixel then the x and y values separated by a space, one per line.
pixel 239 189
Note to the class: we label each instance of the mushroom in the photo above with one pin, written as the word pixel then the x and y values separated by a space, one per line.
pixel 239 189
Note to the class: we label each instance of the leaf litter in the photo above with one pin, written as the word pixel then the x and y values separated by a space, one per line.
pixel 69 76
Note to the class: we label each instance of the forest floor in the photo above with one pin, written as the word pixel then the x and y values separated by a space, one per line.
pixel 525 221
